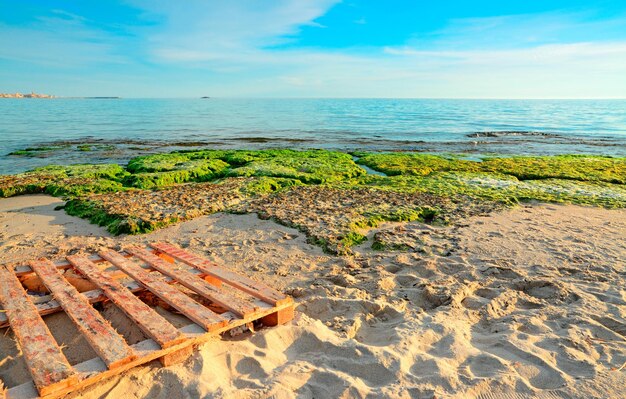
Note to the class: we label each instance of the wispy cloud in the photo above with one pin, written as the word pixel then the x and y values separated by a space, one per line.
pixel 213 30
pixel 230 48
pixel 523 30
pixel 59 39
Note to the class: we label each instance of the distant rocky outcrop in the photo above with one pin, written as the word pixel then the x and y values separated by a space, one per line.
pixel 25 95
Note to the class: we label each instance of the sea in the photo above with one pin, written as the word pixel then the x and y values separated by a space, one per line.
pixel 99 130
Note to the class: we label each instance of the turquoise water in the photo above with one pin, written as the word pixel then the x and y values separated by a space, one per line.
pixel 127 127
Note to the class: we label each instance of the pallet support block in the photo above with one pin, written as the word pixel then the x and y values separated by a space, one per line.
pixel 281 317
pixel 165 257
pixel 176 357
pixel 216 282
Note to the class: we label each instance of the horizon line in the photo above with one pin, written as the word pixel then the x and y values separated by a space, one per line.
pixel 324 98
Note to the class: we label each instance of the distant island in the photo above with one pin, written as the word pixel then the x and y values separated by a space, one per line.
pixel 27 95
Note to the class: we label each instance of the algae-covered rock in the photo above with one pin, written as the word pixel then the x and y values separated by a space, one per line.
pixel 68 180
pixel 310 167
pixel 571 167
pixel 156 172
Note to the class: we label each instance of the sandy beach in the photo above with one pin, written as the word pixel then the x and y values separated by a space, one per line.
pixel 526 302
pixel 312 199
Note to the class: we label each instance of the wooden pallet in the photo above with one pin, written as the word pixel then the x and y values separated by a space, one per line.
pixel 156 269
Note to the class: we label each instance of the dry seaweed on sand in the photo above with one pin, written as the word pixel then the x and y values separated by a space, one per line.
pixel 142 211
pixel 334 218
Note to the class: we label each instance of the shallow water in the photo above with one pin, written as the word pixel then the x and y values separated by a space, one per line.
pixel 137 126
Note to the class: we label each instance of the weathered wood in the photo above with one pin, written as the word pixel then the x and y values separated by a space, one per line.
pixel 206 318
pixel 149 321
pixel 191 281
pixel 254 288
pixel 23 270
pixel 93 371
pixel 107 343
pixel 94 296
pixel 96 369
pixel 282 316
pixel 176 357
pixel 48 366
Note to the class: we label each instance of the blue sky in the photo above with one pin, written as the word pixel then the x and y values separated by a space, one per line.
pixel 306 48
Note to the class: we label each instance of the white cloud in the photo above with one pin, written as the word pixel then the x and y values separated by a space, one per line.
pixel 227 48
pixel 200 30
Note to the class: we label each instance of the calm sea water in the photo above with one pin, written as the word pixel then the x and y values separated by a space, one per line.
pixel 126 127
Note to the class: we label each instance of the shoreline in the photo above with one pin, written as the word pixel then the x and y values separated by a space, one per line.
pixel 20 159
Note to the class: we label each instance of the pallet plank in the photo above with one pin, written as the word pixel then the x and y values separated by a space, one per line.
pixel 206 318
pixel 107 343
pixel 48 366
pixel 94 370
pixel 93 296
pixel 191 281
pixel 148 320
pixel 254 288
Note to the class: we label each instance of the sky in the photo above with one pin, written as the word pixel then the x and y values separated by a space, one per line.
pixel 315 48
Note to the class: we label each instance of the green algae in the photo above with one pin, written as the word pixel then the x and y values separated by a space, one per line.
pixel 156 163
pixel 86 171
pixel 42 151
pixel 168 172
pixel 91 211
pixel 505 189
pixel 382 246
pixel 267 185
pixel 310 167
pixel 568 167
pixel 68 181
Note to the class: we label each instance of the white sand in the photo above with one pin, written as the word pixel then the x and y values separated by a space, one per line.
pixel 531 303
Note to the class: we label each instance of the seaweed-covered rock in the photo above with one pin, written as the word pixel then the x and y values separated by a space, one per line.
pixel 70 180
pixel 570 167
pixel 155 173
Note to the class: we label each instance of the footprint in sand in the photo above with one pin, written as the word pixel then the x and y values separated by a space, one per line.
pixel 484 366
pixel 537 371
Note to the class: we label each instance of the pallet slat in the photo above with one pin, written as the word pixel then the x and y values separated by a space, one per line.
pixel 48 366
pixel 206 318
pixel 94 370
pixel 254 288
pixel 149 321
pixel 93 296
pixel 107 343
pixel 151 278
pixel 191 281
